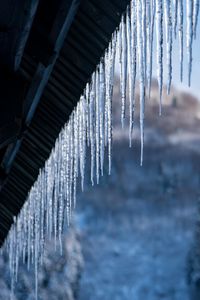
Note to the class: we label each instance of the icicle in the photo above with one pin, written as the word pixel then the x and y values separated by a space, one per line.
pixel 180 29
pixel 36 200
pixel 168 24
pixel 112 62
pixel 75 175
pixel 97 125
pixel 56 193
pixel 123 67
pixel 159 35
pixel 101 92
pixel 42 216
pixel 67 139
pixel 140 37
pixel 29 236
pixel 69 171
pixel 12 257
pixel 61 190
pixel 92 142
pixel 109 106
pixel 25 232
pixel 195 16
pixel 133 60
pixel 189 37
pixel 82 139
pixel 17 249
pixel 130 53
pixel 109 80
pixel 144 37
pixel 50 188
pixel 150 39
pixel 61 187
pixel 72 160
pixel 175 17
pixel 63 178
pixel 106 106
pixel 87 100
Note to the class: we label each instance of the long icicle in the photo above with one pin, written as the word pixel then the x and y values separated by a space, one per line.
pixel 101 106
pixel 123 66
pixel 168 24
pixel 195 16
pixel 189 37
pixel 150 40
pixel 140 37
pixel 175 17
pixel 159 34
pixel 180 30
pixel 132 68
pixel 130 53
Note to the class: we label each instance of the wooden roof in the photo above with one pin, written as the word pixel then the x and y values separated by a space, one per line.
pixel 66 42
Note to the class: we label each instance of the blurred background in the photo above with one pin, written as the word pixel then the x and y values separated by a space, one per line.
pixel 138 226
pixel 136 235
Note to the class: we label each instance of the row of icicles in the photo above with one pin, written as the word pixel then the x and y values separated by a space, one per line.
pixel 147 24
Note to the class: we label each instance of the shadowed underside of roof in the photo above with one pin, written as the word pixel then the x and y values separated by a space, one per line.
pixel 91 24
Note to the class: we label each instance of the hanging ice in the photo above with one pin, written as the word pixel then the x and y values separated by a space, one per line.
pixel 175 16
pixel 195 16
pixel 132 46
pixel 159 43
pixel 168 24
pixel 101 112
pixel 180 29
pixel 53 196
pixel 189 37
pixel 123 65
pixel 150 38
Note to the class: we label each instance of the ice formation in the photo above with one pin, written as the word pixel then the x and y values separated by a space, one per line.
pixel 53 196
